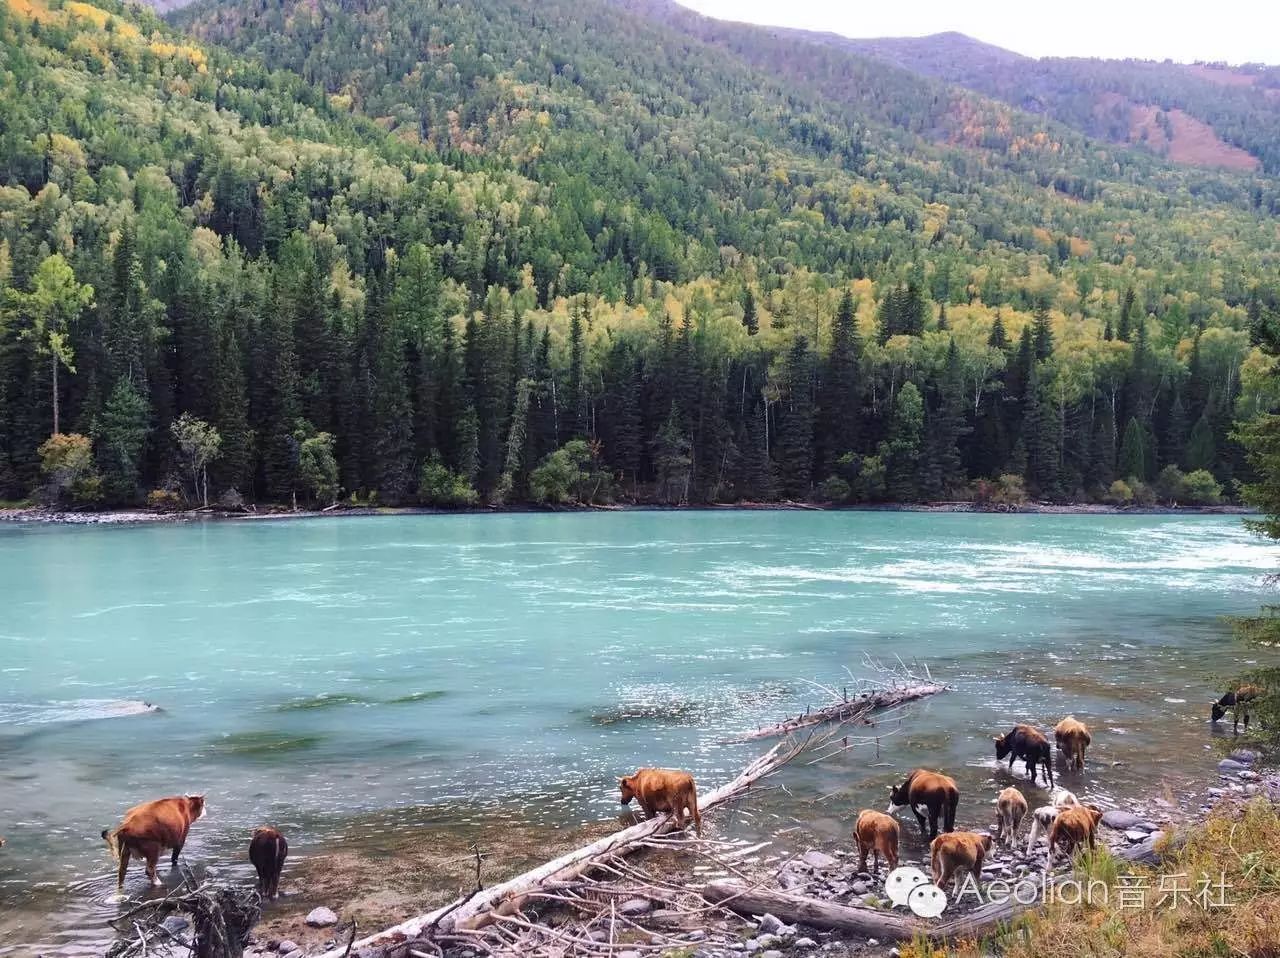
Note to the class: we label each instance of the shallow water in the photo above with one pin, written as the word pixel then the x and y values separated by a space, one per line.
pixel 329 673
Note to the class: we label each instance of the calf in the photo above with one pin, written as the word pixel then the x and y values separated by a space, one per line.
pixel 1075 825
pixel 1025 743
pixel 1238 701
pixel 934 791
pixel 268 850
pixel 877 834
pixel 1042 818
pixel 663 790
pixel 1011 806
pixel 952 855
pixel 148 829
pixel 1073 738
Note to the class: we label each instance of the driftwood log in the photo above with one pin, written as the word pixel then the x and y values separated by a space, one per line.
pixel 847 710
pixel 484 906
pixel 887 925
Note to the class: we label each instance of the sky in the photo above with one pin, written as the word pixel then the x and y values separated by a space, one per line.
pixel 1237 31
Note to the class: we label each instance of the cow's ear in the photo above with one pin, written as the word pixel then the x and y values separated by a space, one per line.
pixel 995 738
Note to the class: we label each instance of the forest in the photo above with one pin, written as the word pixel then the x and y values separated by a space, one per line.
pixel 425 253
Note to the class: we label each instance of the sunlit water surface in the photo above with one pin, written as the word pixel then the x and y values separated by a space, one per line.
pixel 317 673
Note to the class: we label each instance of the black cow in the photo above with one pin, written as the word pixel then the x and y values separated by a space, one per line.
pixel 1026 743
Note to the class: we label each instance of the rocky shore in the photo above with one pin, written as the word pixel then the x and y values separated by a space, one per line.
pixel 832 875
pixel 37 514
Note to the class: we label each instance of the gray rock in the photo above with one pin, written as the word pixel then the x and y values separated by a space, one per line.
pixel 1251 789
pixel 294 954
pixel 287 947
pixel 771 953
pixel 1135 835
pixel 322 917
pixel 635 906
pixel 804 943
pixel 818 860
pixel 894 953
pixel 769 924
pixel 696 935
pixel 860 888
pixel 1247 776
pixel 769 941
pixel 1245 756
pixel 1119 820
pixel 1230 765
pixel 177 925
pixel 628 954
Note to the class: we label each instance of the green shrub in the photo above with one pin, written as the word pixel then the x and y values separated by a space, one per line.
pixel 833 489
pixel 439 485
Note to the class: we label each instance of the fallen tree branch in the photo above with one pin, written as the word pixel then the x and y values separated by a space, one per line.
pixel 847 710
pixel 505 898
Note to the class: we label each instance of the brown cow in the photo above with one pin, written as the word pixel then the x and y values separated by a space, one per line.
pixel 1238 701
pixel 1073 738
pixel 1011 806
pixel 268 850
pixel 663 790
pixel 1028 744
pixel 877 834
pixel 958 852
pixel 1075 825
pixel 935 791
pixel 148 829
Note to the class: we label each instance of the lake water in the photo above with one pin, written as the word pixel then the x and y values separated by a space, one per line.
pixel 315 673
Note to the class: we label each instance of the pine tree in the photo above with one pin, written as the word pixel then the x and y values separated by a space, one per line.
pixel 998 339
pixel 901 451
pixel 841 397
pixel 1127 316
pixel 946 424
pixel 573 422
pixel 392 412
pixel 1202 449
pixel 795 432
pixel 1043 332
pixel 1135 460
pixel 121 436
pixel 749 318
pixel 1175 432
pixel 276 418
pixel 1039 438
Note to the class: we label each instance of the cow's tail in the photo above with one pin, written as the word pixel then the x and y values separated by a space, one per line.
pixel 113 842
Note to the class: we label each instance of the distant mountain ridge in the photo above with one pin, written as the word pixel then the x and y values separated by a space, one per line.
pixel 1199 114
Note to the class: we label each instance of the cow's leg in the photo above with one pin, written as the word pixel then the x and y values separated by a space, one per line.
pixel 124 866
pixel 173 859
pixel 920 818
pixel 933 821
pixel 862 856
pixel 151 851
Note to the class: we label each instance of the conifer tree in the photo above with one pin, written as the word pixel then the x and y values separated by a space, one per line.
pixel 795 432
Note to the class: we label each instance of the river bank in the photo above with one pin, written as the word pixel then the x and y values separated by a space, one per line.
pixel 40 514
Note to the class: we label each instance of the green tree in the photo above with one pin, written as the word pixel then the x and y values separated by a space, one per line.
pixel 199 444
pixel 795 431
pixel 121 435
pixel 901 452
pixel 54 304
pixel 318 468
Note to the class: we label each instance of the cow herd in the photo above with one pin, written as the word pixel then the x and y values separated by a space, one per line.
pixel 150 829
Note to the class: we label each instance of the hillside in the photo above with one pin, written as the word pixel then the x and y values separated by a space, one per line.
pixel 415 251
pixel 1199 114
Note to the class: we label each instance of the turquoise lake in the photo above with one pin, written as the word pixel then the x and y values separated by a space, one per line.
pixel 312 672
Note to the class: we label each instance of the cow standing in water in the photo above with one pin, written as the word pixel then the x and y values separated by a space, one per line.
pixel 150 828
pixel 1238 701
pixel 1073 738
pixel 1026 743
pixel 267 851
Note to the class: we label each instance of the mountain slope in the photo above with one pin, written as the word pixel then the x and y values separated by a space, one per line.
pixel 1173 109
pixel 438 252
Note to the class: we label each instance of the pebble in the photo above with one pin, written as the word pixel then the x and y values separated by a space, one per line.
pixel 804 943
pixel 287 947
pixel 322 917
pixel 860 888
